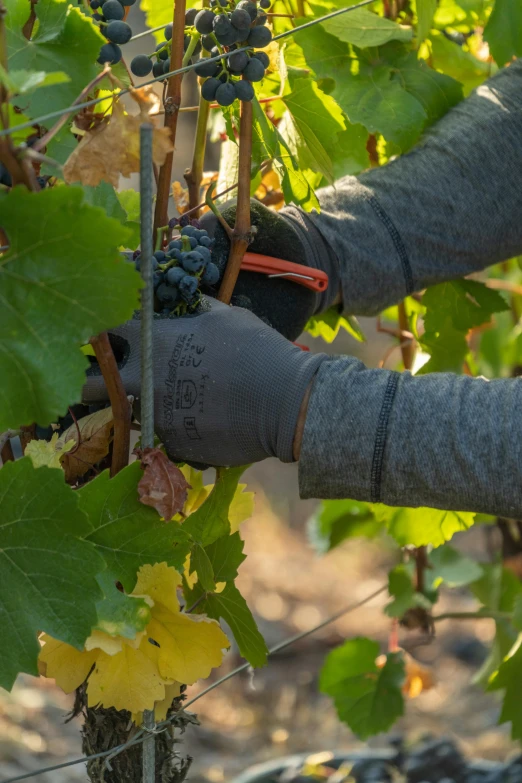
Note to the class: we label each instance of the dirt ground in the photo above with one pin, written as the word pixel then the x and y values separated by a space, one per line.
pixel 278 710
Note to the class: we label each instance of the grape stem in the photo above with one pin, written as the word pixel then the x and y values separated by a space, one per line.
pixel 27 29
pixel 241 235
pixel 194 174
pixel 121 409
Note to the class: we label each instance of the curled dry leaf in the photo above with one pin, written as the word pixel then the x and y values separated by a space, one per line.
pixel 163 485
pixel 96 433
pixel 418 678
pixel 113 148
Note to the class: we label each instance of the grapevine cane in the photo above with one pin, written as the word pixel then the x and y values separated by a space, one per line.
pixel 194 174
pixel 147 375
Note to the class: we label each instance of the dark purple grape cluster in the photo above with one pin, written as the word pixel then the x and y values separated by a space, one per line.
pixel 221 31
pixel 110 14
pixel 180 270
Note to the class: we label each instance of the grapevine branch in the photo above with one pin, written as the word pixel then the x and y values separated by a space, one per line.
pixel 139 736
pixel 85 105
pixel 121 410
pixel 194 174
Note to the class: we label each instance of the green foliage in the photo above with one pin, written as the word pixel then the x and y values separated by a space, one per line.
pixel 126 533
pixel 364 29
pixel 450 567
pixel 61 272
pixel 119 614
pixel 425 13
pixel 401 589
pixel 328 325
pixel 503 31
pixel 22 82
pixel 509 678
pixel 422 526
pixel 367 698
pixel 210 521
pixel 337 520
pixel 48 569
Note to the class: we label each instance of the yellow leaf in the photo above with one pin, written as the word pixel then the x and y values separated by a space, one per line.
pixel 48 453
pixel 128 680
pixel 241 508
pixel 98 640
pixel 87 350
pixel 160 707
pixel 190 646
pixel 160 582
pixel 190 579
pixel 67 665
pixel 198 493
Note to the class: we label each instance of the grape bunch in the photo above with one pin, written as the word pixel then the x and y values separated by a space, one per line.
pixel 180 270
pixel 110 14
pixel 220 31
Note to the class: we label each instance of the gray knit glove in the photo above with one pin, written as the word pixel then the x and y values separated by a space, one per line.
pixel 227 387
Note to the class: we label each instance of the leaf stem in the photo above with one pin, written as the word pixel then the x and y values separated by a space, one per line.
pixel 194 174
pixel 241 235
pixel 407 347
pixel 480 615
pixel 120 404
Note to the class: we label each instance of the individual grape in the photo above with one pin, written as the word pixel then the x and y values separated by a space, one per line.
pixel 167 294
pixel 44 433
pixel 244 90
pixel 141 65
pixel 265 4
pixel 118 32
pixel 204 252
pixel 209 89
pixel 204 21
pixel 254 71
pixel 188 231
pixel 188 287
pixel 206 241
pixel 259 37
pixel 261 19
pixel 249 6
pixel 176 244
pixel 5 177
pixel 190 16
pixel 232 36
pixel 95 4
pixel 174 254
pixel 162 51
pixel 112 9
pixel 160 256
pixel 240 18
pixel 206 68
pixel 157 69
pixel 237 62
pixel 193 242
pixel 109 53
pixel 42 182
pixel 166 65
pixel 174 275
pixel 192 262
pixel 167 32
pixel 211 274
pixel 265 59
pixel 208 43
pixel 157 279
pixel 226 94
pixel 221 25
pixel 97 17
pixel 127 2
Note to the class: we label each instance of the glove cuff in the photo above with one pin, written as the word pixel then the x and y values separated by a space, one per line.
pixel 318 254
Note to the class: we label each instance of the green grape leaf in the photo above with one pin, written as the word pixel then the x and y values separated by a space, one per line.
pixel 54 47
pixel 159 12
pixel 230 606
pixel 328 324
pixel 363 28
pixel 517 613
pixel 318 120
pixel 200 563
pixel 509 678
pixel 104 196
pixel 436 92
pixel 422 526
pixel 130 201
pixel 16 118
pixel 452 309
pixel 210 521
pixel 126 533
pixel 22 82
pixel 456 61
pixel 59 149
pixel 65 272
pixel 452 568
pixel 318 50
pixel 367 698
pixel 268 144
pixel 425 13
pixel 350 156
pixel 503 31
pixel 48 571
pixel 226 555
pixel 119 614
pixel 401 589
pixel 337 520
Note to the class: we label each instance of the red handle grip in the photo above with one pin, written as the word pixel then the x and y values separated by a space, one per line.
pixel 314 279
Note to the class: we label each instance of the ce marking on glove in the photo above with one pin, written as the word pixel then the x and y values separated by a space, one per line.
pixel 189 422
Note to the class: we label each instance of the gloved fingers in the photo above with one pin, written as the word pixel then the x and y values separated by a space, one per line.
pixel 125 345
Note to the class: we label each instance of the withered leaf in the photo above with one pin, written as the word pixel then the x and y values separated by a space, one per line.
pixel 96 433
pixel 163 485
pixel 113 148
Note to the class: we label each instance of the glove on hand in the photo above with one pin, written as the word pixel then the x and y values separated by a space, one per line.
pixel 279 301
pixel 227 387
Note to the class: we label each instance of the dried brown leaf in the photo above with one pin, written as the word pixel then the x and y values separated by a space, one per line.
pixel 113 148
pixel 96 433
pixel 163 485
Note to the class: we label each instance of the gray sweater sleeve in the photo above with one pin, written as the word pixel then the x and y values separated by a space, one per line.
pixel 450 207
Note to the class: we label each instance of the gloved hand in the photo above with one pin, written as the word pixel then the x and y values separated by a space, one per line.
pixel 227 387
pixel 279 301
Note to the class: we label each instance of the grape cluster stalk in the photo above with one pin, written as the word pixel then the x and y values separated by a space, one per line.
pixel 219 30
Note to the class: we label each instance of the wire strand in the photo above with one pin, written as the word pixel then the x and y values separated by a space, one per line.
pixel 86 104
pixel 139 736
